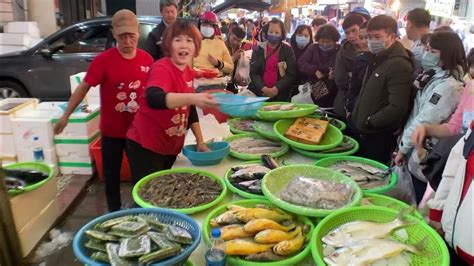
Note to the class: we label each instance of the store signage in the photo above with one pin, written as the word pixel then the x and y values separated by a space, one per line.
pixel 441 8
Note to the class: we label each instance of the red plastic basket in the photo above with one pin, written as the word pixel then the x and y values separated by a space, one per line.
pixel 96 149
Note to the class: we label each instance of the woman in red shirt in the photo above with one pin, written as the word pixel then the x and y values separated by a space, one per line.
pixel 167 108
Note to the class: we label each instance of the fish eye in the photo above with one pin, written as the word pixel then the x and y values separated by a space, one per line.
pixel 335 255
pixel 332 234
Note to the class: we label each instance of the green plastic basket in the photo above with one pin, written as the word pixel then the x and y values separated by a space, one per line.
pixel 146 179
pixel 266 132
pixel 339 123
pixel 277 179
pixel 235 130
pixel 393 177
pixel 31 166
pixel 234 260
pixel 303 109
pixel 331 139
pixel 250 157
pixel 436 251
pixel 236 190
pixel 320 155
pixel 388 202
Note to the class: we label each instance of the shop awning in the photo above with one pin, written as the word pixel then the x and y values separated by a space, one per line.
pixel 252 5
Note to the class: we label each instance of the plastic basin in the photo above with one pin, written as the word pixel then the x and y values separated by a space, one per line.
pixel 320 155
pixel 247 156
pixel 238 105
pixel 238 191
pixel 31 166
pixel 218 151
pixel 265 130
pixel 388 202
pixel 302 109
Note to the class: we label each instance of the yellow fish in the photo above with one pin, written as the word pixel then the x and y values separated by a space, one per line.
pixel 234 231
pixel 242 247
pixel 269 236
pixel 248 214
pixel 289 247
pixel 258 225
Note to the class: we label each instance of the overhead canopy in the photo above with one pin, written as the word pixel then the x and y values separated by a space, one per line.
pixel 252 5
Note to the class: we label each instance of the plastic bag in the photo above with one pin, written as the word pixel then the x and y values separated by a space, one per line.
pixel 404 189
pixel 242 73
pixel 414 164
pixel 304 94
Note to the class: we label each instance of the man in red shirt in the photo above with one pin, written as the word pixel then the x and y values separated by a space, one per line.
pixel 122 72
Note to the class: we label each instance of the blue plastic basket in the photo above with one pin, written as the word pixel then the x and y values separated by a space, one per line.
pixel 238 105
pixel 165 216
pixel 218 151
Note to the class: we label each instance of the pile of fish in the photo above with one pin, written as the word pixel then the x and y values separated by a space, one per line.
pixel 369 243
pixel 346 145
pixel 242 124
pixel 20 178
pixel 279 107
pixel 366 175
pixel 260 233
pixel 317 193
pixel 180 190
pixel 136 239
pixel 248 177
pixel 252 145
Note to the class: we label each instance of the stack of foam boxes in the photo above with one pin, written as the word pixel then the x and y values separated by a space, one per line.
pixel 72 145
pixel 19 35
pixel 93 96
pixel 9 110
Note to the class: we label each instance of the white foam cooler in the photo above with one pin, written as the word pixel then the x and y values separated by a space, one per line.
pixel 7 114
pixel 31 124
pixel 92 96
pixel 7 145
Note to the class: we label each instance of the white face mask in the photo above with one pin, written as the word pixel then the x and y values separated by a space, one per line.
pixel 207 32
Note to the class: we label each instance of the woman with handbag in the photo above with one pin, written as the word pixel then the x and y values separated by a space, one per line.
pixel 317 63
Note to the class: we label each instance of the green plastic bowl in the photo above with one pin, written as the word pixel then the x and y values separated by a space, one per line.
pixel 332 160
pixel 436 251
pixel 250 157
pixel 331 139
pixel 146 179
pixel 388 202
pixel 277 179
pixel 320 155
pixel 238 191
pixel 265 132
pixel 234 260
pixel 303 109
pixel 31 166
pixel 235 130
pixel 339 123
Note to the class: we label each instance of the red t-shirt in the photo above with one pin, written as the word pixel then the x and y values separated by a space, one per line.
pixel 163 130
pixel 270 75
pixel 122 82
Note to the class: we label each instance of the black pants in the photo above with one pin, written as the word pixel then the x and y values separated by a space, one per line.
pixel 112 153
pixel 378 147
pixel 144 162
pixel 420 188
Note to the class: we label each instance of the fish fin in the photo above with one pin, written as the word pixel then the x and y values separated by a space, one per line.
pixel 406 211
pixel 421 247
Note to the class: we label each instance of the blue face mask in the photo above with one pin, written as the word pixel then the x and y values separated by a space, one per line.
pixel 273 39
pixel 429 60
pixel 326 48
pixel 302 41
pixel 376 46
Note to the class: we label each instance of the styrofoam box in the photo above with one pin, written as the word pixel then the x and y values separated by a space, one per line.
pixel 20 39
pixel 11 48
pixel 7 145
pixel 93 100
pixel 67 170
pixel 73 153
pixel 26 155
pixel 50 106
pixel 41 126
pixel 28 27
pixel 76 79
pixel 81 130
pixel 25 105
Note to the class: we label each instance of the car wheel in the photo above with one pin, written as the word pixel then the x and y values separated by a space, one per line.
pixel 11 89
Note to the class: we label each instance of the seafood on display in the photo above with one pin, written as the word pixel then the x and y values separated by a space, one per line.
pixel 180 190
pixel 307 130
pixel 20 178
pixel 119 242
pixel 346 145
pixel 366 175
pixel 260 233
pixel 279 107
pixel 264 126
pixel 242 124
pixel 251 145
pixel 248 177
pixel 317 193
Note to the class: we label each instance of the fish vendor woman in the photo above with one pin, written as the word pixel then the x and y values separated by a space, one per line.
pixel 168 105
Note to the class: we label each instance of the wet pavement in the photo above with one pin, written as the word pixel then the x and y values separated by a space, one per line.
pixel 88 206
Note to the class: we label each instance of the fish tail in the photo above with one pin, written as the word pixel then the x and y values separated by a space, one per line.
pixel 420 248
pixel 402 215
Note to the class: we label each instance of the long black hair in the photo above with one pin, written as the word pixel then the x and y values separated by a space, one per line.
pixel 452 55
pixel 299 30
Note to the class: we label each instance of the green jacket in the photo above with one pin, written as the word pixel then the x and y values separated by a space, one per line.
pixel 386 97
pixel 286 75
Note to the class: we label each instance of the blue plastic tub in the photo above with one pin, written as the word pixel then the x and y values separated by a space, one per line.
pixel 165 216
pixel 238 105
pixel 219 150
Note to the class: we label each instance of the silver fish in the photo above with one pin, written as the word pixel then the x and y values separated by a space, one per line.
pixel 249 172
pixel 365 175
